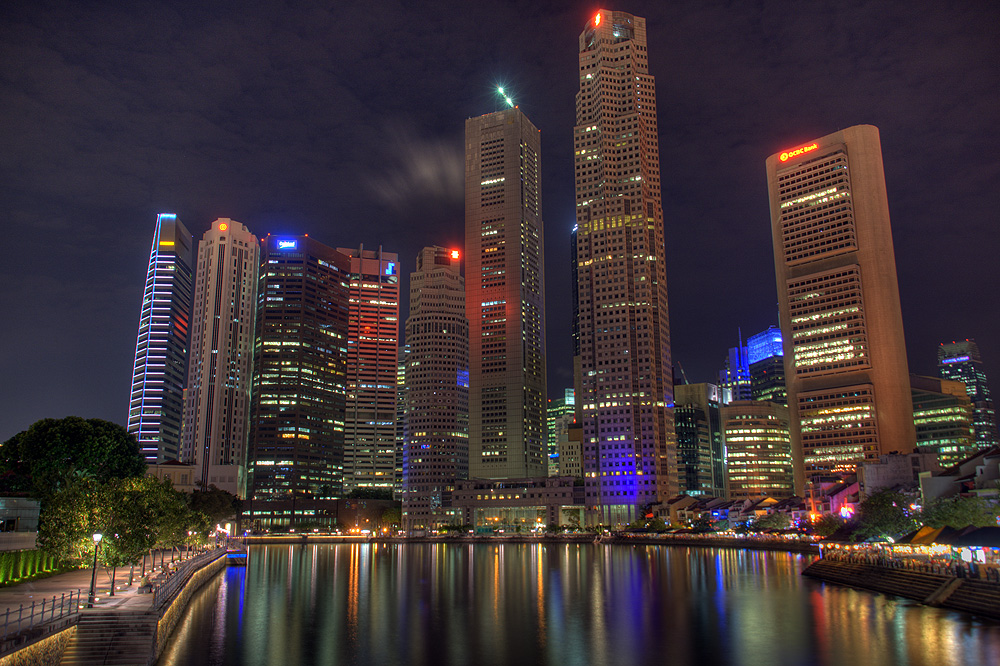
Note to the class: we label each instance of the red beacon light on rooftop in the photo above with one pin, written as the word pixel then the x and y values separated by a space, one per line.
pixel 454 254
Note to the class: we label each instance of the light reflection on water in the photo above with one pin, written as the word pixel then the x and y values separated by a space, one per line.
pixel 566 604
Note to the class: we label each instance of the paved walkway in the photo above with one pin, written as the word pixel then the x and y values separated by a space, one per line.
pixel 12 596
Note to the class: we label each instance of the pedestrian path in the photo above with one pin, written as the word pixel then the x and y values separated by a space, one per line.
pixel 14 596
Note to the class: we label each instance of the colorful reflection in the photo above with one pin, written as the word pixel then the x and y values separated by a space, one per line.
pixel 569 604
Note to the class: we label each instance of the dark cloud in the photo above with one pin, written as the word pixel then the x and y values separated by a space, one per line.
pixel 345 120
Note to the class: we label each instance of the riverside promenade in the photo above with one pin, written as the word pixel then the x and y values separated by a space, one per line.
pixel 46 621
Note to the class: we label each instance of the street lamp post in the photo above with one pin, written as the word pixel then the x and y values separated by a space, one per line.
pixel 93 576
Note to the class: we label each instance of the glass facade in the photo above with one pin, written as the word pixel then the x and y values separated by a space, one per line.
pixel 159 373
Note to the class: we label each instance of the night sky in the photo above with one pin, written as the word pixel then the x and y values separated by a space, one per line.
pixel 345 120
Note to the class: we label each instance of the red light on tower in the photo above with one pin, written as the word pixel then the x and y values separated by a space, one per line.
pixel 597 19
pixel 223 226
pixel 454 254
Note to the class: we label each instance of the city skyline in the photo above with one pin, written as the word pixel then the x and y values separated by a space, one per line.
pixel 106 129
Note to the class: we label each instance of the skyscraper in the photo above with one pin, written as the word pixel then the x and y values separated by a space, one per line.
pixel 560 417
pixel 943 417
pixel 626 397
pixel 436 448
pixel 961 362
pixel 372 349
pixel 300 354
pixel 156 403
pixel 758 452
pixel 735 374
pixel 505 291
pixel 701 459
pixel 767 366
pixel 217 403
pixel 845 356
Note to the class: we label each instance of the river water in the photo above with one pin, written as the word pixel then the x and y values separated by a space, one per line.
pixel 556 604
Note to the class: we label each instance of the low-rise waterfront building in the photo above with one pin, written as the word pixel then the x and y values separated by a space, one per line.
pixel 520 505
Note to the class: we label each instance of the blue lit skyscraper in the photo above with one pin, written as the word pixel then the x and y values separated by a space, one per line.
pixel 767 366
pixel 156 402
pixel 764 345
pixel 735 374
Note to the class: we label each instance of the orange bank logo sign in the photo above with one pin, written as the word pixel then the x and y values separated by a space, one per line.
pixel 788 154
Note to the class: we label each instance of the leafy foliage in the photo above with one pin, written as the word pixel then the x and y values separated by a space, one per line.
pixel 51 452
pixel 959 512
pixel 772 521
pixel 827 524
pixel 216 505
pixel 884 514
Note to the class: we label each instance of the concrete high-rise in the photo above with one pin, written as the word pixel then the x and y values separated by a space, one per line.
pixel 156 402
pixel 505 292
pixel 372 351
pixel 845 356
pixel 960 361
pixel 217 402
pixel 758 451
pixel 436 446
pixel 626 395
pixel 297 419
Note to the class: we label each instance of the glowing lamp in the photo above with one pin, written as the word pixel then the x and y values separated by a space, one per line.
pixel 597 19
pixel 223 226
pixel 454 254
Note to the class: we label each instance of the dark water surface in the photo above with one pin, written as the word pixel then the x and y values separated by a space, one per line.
pixel 567 605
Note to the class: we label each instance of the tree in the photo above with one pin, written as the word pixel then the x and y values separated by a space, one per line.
pixel 217 505
pixel 45 457
pixel 68 520
pixel 827 524
pixel 884 514
pixel 772 521
pixel 959 512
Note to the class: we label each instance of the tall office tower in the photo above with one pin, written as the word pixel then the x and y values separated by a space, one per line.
pixel 627 383
pixel 961 362
pixel 372 350
pixel 300 354
pixel 505 296
pixel 217 401
pixel 560 416
pixel 767 366
pixel 436 452
pixel 735 373
pixel 404 352
pixel 758 450
pixel 845 356
pixel 156 404
pixel 944 418
pixel 701 459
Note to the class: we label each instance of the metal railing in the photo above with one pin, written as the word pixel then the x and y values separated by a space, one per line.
pixel 16 620
pixel 165 589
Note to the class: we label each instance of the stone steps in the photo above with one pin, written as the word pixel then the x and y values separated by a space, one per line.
pixel 977 597
pixel 917 585
pixel 110 637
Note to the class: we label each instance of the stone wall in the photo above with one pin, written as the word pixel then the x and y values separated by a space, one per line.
pixel 173 612
pixel 46 652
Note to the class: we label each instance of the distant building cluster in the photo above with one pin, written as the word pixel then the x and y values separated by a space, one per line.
pixel 276 367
